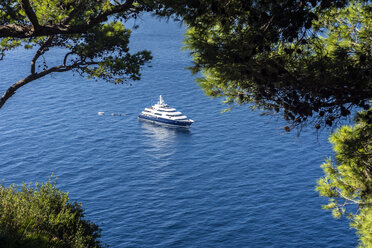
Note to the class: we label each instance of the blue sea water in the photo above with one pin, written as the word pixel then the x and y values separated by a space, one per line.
pixel 232 180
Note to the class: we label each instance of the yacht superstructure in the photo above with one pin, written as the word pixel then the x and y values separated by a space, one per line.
pixel 162 113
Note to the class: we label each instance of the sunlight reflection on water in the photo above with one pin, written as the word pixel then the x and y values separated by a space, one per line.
pixel 161 141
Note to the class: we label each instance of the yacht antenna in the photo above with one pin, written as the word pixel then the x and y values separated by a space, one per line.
pixel 161 101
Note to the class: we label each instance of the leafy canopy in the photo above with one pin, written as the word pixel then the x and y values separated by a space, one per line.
pixel 348 180
pixel 43 216
pixel 309 61
pixel 94 46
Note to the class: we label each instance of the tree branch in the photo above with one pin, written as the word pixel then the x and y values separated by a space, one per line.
pixel 43 48
pixel 26 6
pixel 61 68
pixel 349 199
pixel 66 56
pixel 27 31
pixel 116 9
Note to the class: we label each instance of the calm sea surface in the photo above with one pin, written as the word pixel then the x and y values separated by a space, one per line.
pixel 232 180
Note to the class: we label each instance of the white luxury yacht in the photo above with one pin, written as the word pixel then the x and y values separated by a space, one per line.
pixel 162 113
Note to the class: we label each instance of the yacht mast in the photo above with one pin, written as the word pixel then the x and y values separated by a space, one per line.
pixel 161 101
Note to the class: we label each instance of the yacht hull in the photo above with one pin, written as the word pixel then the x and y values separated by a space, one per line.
pixel 160 120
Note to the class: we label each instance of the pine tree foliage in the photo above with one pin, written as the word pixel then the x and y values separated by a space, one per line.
pixel 309 61
pixel 348 179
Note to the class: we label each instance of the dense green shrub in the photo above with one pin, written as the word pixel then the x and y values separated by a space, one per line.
pixel 43 216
